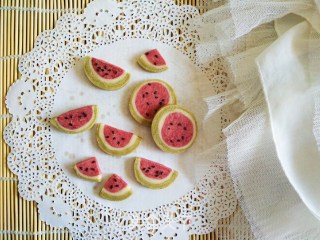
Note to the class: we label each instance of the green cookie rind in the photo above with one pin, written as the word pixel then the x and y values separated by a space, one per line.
pixel 56 124
pixel 136 115
pixel 116 198
pixel 112 152
pixel 147 184
pixel 93 179
pixel 95 79
pixel 156 135
pixel 148 67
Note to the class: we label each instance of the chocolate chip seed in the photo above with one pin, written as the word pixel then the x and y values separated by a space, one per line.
pixel 118 143
pixel 114 138
pixel 92 169
pixel 81 168
pixel 70 124
pixel 107 136
pixel 93 161
pixel 156 56
pixel 112 132
pixel 149 84
pixel 148 104
pixel 185 128
pixel 123 139
pixel 86 169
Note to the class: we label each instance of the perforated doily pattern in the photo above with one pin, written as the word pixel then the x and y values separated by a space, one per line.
pixel 30 101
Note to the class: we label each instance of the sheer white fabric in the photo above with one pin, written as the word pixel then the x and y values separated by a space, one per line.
pixel 272 51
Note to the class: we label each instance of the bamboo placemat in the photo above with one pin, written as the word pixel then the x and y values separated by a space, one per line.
pixel 20 23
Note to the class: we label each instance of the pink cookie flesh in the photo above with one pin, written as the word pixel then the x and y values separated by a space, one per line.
pixel 106 70
pixel 177 130
pixel 89 167
pixel 76 118
pixel 115 184
pixel 155 58
pixel 153 169
pixel 115 137
pixel 150 98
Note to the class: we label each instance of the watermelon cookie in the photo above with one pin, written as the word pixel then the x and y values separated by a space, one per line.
pixel 174 129
pixel 89 169
pixel 116 142
pixel 148 98
pixel 77 120
pixel 152 61
pixel 115 189
pixel 105 75
pixel 152 174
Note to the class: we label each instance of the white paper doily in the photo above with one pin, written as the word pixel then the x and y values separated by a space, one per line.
pixel 43 177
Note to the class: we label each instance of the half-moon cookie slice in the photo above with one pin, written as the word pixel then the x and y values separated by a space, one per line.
pixel 152 61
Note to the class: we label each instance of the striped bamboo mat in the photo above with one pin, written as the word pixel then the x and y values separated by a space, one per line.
pixel 20 23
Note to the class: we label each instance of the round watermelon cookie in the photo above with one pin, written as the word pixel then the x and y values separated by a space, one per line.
pixel 89 169
pixel 105 75
pixel 116 189
pixel 116 142
pixel 174 129
pixel 152 174
pixel 152 61
pixel 77 120
pixel 148 98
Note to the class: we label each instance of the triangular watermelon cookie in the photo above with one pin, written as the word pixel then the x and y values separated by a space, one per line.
pixel 115 141
pixel 148 98
pixel 89 169
pixel 174 129
pixel 76 120
pixel 115 189
pixel 152 61
pixel 152 174
pixel 105 75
